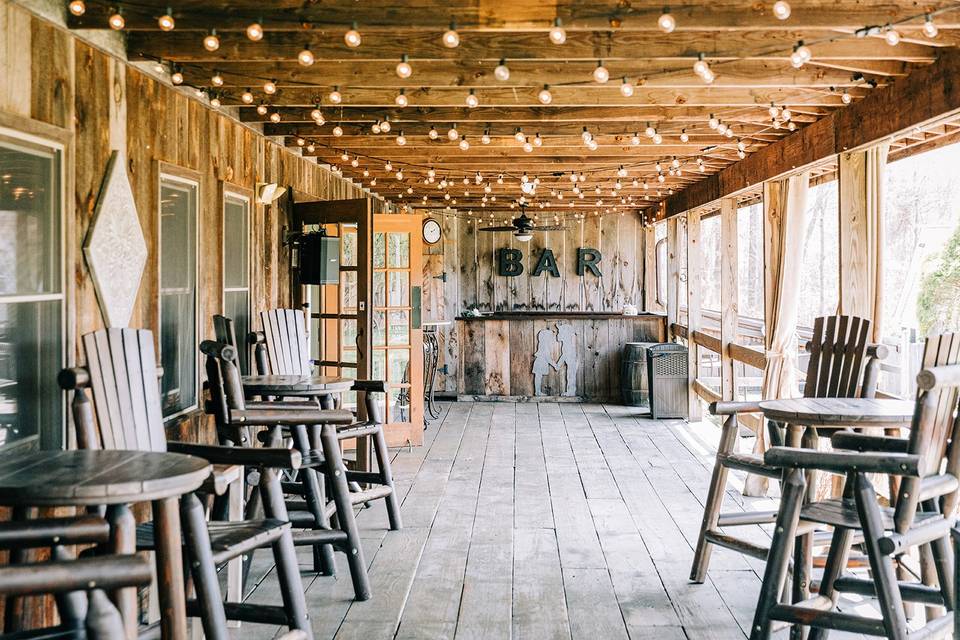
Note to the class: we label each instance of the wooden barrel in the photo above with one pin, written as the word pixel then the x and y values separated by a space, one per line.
pixel 634 386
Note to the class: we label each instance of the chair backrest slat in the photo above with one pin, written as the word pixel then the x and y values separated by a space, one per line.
pixel 837 350
pixel 285 339
pixel 225 332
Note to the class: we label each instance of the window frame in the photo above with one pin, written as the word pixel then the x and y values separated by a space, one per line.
pixel 52 139
pixel 656 261
pixel 236 192
pixel 175 173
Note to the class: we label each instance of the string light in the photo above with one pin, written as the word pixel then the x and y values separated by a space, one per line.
pixel 275 116
pixel 255 31
pixel 305 57
pixel 335 96
pixel 211 42
pixel 472 100
pixel 845 97
pixel 401 99
pixel 451 39
pixel 657 138
pixel 713 122
pixel 433 134
pixel 217 79
pixel 77 7
pixel 166 21
pixel 502 71
pixel 215 101
pixel 929 28
pixel 626 88
pixel 527 146
pixel 452 133
pixel 401 139
pixel 702 69
pixel 262 109
pixel 666 21
pixel 388 167
pixel 600 74
pixel 684 136
pixel 116 20
pixel 317 115
pixel 801 55
pixel 338 131
pixel 352 37
pixel 246 97
pixel 892 36
pixel 176 77
pixel 375 127
pixel 781 9
pixel 558 34
pixel 404 70
pixel 385 126
pixel 518 135
pixel 545 97
pixel 537 140
pixel 635 140
pixel 485 138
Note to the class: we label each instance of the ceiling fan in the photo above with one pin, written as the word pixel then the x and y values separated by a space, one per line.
pixel 523 228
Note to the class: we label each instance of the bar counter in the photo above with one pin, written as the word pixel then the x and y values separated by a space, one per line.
pixel 573 356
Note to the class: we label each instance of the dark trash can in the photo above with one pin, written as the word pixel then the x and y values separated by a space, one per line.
pixel 667 376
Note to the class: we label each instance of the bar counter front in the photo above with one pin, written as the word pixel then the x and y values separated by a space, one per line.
pixel 531 356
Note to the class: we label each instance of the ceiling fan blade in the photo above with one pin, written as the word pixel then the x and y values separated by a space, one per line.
pixel 548 228
pixel 498 228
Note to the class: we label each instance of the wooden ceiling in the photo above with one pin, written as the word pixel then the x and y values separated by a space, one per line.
pixel 745 45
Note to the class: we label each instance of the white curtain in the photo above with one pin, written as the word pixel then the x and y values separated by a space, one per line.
pixel 784 227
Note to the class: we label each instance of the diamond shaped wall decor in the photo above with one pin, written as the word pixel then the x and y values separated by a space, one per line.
pixel 115 249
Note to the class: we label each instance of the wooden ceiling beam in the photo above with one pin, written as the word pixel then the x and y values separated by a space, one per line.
pixel 421 143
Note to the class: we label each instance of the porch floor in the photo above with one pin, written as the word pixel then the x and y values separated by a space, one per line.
pixel 539 520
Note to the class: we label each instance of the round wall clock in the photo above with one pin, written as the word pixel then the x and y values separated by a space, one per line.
pixel 431 231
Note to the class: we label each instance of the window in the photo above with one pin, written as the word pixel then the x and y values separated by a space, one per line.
pixel 31 293
pixel 236 270
pixel 921 260
pixel 710 263
pixel 178 293
pixel 820 269
pixel 750 261
pixel 660 255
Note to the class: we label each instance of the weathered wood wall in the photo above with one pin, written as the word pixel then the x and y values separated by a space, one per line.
pixel 468 258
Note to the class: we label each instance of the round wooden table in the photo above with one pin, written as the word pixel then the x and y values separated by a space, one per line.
pixel 294 385
pixel 116 479
pixel 839 412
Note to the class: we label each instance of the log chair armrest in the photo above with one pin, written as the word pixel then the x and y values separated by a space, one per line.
pixel 897 464
pixel 369 386
pixel 290 417
pixel 878 351
pixel 292 405
pixel 936 377
pixel 47 532
pixel 256 337
pixel 277 458
pixel 101 572
pixel 852 441
pixel 219 481
pixel 729 408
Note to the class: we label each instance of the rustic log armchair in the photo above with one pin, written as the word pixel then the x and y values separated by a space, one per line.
pixel 121 371
pixel 928 463
pixel 837 353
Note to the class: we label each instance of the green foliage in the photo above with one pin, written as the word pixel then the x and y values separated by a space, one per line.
pixel 938 303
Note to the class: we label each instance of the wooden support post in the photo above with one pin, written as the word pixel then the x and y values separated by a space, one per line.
pixel 650 302
pixel 673 277
pixel 729 294
pixel 694 298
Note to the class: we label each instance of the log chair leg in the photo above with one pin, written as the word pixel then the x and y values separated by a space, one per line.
pixel 200 556
pixel 881 565
pixel 386 479
pixel 942 555
pixel 778 559
pixel 123 541
pixel 323 559
pixel 711 511
pixel 103 621
pixel 955 534
pixel 169 552
pixel 71 606
pixel 13 610
pixel 833 569
pixel 337 481
pixel 285 555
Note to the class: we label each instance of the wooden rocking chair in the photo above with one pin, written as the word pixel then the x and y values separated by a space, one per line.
pixel 928 463
pixel 837 352
pixel 121 371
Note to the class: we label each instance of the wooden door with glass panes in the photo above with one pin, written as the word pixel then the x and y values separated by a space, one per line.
pixel 395 323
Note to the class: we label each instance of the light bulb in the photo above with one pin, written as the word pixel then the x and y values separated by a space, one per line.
pixel 500 179
pixel 845 97
pixel 557 33
pixel 335 96
pixel 666 22
pixel 246 97
pixel 786 114
pixel 684 136
pixel 311 148
pixel 301 142
pixel 400 174
pixel 626 88
pixel 464 145
pixel 77 7
pixel 774 110
pixel 701 67
pixel 401 139
pixel 275 117
pixel 453 134
pixel 385 126
pixel 518 136
pixel 375 127
pixel 217 80
pixel 215 102
pixel 741 145
pixel 317 115
pixel 502 71
pixel 355 163
pixel 650 131
pixel 166 21
pixel 527 146
pixel 592 145
pixel 451 39
pixel 176 77
pixel 741 154
pixel 404 70
pixel 804 52
pixel 781 9
pixel 270 87
pixel 708 77
pixel 929 28
pixel 792 126
pixel 892 36
pixel 472 100
pixel 255 31
pixel 305 57
pixel 600 74
pixel 485 138
pixel 117 22
pixel 635 140
pixel 721 128
pixel 352 37
pixel 211 42
pixel 433 134
pixel 713 122
pixel 262 109
pixel 657 138
pixel 545 97
pixel 388 167
pixel 537 140
pixel 431 172
pixel 338 131
pixel 401 99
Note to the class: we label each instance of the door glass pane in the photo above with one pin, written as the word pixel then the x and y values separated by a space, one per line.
pixel 348 247
pixel 379 364
pixel 399 405
pixel 379 289
pixel 399 288
pixel 348 291
pixel 379 328
pixel 399 330
pixel 379 250
pixel 178 215
pixel 398 361
pixel 398 250
pixel 349 341
pixel 31 332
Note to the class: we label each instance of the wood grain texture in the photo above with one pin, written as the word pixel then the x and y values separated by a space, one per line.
pixel 729 282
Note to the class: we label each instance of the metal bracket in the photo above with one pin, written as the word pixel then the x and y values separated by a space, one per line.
pixel 442 276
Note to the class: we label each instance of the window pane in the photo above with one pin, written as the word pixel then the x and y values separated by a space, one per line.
pixel 379 328
pixel 236 305
pixel 379 289
pixel 348 291
pixel 379 364
pixel 399 331
pixel 398 250
pixel 820 271
pixel 750 261
pixel 710 262
pixel 921 262
pixel 399 288
pixel 178 216
pixel 236 251
pixel 661 256
pixel 379 250
pixel 682 260
pixel 399 365
pixel 348 247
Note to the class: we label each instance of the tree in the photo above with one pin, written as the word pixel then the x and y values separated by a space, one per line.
pixel 938 303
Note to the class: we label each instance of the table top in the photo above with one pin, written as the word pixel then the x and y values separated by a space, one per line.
pixel 839 412
pixel 276 385
pixel 74 478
